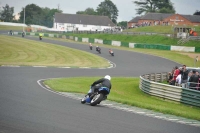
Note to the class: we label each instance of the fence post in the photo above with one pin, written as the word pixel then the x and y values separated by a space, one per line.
pixel 161 77
pixel 155 78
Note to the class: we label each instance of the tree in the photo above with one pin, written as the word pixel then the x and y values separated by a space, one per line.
pixel 38 16
pixel 122 24
pixel 197 12
pixel 88 11
pixel 6 14
pixel 107 8
pixel 160 6
pixel 48 15
pixel 32 14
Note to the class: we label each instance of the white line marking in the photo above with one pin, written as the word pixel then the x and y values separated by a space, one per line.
pixel 64 67
pixel 140 112
pixel 84 67
pixel 39 66
pixel 9 66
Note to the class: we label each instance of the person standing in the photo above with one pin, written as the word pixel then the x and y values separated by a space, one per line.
pixel 184 73
pixel 194 80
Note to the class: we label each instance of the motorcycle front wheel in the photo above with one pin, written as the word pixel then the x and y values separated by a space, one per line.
pixel 96 99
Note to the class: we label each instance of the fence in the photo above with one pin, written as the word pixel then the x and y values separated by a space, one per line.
pixel 122 33
pixel 184 40
pixel 149 84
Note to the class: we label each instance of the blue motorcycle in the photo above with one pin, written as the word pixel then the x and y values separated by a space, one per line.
pixel 98 96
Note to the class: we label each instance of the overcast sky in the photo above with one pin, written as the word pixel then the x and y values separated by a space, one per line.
pixel 126 7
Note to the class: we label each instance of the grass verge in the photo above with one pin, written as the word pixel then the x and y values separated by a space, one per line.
pixel 126 90
pixel 21 51
pixel 159 29
pixel 5 27
pixel 154 29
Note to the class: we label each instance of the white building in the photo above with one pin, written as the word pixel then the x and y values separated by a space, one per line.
pixel 80 22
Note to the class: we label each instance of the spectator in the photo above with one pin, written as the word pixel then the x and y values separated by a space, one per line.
pixel 184 73
pixel 193 80
pixel 189 75
pixel 175 74
pixel 179 80
pixel 170 78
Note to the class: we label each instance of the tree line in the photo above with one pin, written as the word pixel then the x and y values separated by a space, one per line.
pixel 44 16
pixel 33 15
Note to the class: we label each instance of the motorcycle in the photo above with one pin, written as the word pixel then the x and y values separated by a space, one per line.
pixel 22 34
pixel 90 47
pixel 111 53
pixel 96 98
pixel 40 37
pixel 98 50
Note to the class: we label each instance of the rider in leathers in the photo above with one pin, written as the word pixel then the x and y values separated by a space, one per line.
pixel 103 82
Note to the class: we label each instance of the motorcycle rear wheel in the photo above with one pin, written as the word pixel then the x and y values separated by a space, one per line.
pixel 97 99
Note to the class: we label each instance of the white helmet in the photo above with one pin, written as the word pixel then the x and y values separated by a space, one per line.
pixel 107 77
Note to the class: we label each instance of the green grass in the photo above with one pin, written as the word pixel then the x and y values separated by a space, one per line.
pixel 126 90
pixel 158 29
pixel 4 27
pixel 21 51
pixel 154 29
pixel 148 39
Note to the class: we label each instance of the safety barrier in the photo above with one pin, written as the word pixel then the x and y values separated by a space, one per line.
pixel 149 84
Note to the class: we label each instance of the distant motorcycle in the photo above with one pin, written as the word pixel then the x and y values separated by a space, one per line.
pixel 23 34
pixel 90 47
pixel 98 50
pixel 40 37
pixel 111 52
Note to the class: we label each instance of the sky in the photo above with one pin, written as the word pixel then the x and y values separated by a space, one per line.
pixel 126 7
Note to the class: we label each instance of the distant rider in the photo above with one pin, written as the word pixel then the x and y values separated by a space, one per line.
pixel 97 48
pixel 110 51
pixel 40 35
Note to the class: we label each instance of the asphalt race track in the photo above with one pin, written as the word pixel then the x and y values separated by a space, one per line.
pixel 25 107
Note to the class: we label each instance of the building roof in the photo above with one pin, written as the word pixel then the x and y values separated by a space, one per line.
pixel 156 16
pixel 192 18
pixel 135 20
pixel 83 19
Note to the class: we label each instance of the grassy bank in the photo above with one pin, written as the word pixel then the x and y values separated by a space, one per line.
pixel 149 39
pixel 159 29
pixel 21 51
pixel 126 90
pixel 155 29
pixel 4 27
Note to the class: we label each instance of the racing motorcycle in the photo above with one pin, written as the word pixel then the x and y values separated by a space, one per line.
pixel 98 50
pixel 96 97
pixel 40 37
pixel 90 47
pixel 111 52
pixel 23 34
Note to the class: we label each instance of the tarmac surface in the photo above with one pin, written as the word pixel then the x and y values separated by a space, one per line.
pixel 25 107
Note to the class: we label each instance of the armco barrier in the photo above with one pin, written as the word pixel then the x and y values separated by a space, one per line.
pixel 91 40
pixel 149 84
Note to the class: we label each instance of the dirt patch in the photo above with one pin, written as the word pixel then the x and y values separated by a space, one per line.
pixel 192 55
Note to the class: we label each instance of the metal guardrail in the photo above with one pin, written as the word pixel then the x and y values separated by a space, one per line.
pixel 184 40
pixel 149 84
pixel 122 33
